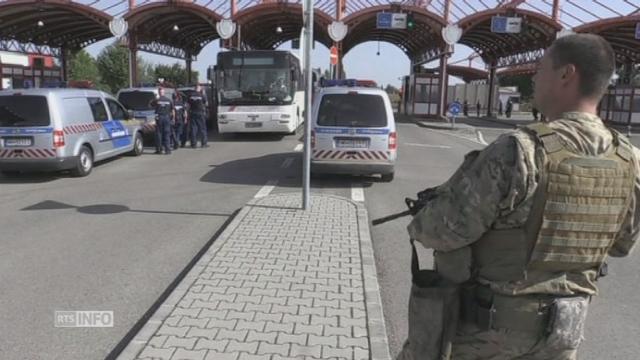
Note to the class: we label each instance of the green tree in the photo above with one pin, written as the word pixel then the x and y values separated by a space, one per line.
pixel 84 67
pixel 390 89
pixel 146 72
pixel 113 65
pixel 175 74
pixel 522 82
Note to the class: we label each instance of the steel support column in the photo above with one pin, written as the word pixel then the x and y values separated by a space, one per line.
pixel 492 83
pixel 188 63
pixel 64 63
pixel 133 60
pixel 442 104
pixel 555 14
pixel 338 69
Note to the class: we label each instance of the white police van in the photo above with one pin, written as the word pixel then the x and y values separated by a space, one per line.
pixel 63 129
pixel 139 100
pixel 353 130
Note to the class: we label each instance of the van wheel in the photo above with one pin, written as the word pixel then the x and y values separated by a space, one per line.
pixel 84 164
pixel 138 145
pixel 387 177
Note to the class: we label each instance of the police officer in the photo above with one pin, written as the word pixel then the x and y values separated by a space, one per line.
pixel 197 107
pixel 529 221
pixel 164 115
pixel 180 124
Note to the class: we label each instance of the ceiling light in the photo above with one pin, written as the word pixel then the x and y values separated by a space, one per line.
pixel 176 27
pixel 40 23
pixel 279 30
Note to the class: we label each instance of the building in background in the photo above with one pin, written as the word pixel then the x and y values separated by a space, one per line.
pixel 19 71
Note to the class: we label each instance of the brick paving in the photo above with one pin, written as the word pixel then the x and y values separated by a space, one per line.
pixel 279 283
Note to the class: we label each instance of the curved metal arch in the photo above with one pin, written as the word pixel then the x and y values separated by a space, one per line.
pixel 18 17
pixel 362 29
pixel 368 12
pixel 80 9
pixel 477 34
pixel 142 13
pixel 257 24
pixel 246 15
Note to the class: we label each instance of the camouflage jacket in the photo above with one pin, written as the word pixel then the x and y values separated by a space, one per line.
pixel 494 188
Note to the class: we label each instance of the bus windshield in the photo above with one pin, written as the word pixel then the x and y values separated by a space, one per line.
pixel 256 86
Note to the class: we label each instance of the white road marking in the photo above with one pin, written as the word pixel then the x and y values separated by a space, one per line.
pixel 456 136
pixel 298 148
pixel 266 190
pixel 287 162
pixel 480 137
pixel 429 146
pixel 357 192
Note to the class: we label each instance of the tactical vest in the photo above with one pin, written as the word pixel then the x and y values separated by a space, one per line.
pixel 163 106
pixel 577 212
pixel 196 103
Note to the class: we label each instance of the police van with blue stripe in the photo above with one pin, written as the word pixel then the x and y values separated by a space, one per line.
pixel 63 129
pixel 353 130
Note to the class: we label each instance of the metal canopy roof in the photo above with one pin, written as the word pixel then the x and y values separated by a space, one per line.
pixel 181 25
pixel 55 23
pixel 258 25
pixel 77 23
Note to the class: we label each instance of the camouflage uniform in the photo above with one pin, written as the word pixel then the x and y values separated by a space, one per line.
pixel 494 190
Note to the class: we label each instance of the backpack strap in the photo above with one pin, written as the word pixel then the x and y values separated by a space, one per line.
pixel 545 135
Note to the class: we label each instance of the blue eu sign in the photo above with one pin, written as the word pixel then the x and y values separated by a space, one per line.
pixel 384 20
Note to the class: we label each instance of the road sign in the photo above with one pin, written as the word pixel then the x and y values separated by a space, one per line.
pixel 333 55
pixel 455 108
pixel 391 20
pixel 638 31
pixel 506 25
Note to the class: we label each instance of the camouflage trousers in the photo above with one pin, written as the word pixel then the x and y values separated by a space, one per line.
pixel 471 343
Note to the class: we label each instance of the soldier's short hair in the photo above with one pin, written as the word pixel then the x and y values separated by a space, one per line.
pixel 593 58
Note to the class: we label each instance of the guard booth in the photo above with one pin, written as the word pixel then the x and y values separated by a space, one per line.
pixel 621 105
pixel 420 95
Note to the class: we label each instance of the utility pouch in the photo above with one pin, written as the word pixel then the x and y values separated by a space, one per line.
pixel 434 306
pixel 567 321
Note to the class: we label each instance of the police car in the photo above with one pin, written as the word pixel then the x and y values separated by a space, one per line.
pixel 63 129
pixel 353 130
pixel 139 100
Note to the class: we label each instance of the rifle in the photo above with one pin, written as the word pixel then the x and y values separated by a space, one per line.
pixel 414 206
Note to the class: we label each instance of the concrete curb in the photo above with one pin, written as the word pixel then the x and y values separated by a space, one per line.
pixel 140 340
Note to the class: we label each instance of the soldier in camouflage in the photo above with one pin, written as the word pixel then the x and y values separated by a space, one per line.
pixel 526 224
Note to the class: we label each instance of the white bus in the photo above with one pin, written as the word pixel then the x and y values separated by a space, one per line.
pixel 259 91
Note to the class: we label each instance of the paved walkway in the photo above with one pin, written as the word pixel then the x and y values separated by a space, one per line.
pixel 279 283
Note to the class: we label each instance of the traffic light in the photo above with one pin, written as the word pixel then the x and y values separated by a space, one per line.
pixel 411 22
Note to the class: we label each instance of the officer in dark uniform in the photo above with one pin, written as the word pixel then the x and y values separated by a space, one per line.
pixel 179 134
pixel 164 115
pixel 197 105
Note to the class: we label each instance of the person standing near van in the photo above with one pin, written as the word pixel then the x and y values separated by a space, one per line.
pixel 197 105
pixel 180 124
pixel 164 113
pixel 509 108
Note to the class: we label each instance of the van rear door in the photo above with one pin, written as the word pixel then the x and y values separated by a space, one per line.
pixel 25 127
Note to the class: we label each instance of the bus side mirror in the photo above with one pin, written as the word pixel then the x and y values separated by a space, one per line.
pixel 211 73
pixel 294 75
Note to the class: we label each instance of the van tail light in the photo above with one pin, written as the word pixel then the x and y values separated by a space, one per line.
pixel 58 138
pixel 313 139
pixel 393 141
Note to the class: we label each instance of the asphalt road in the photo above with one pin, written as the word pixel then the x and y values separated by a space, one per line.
pixel 117 239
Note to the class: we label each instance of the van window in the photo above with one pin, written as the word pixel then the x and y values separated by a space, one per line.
pixel 117 112
pixel 137 100
pixel 98 109
pixel 76 110
pixel 352 110
pixel 24 110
